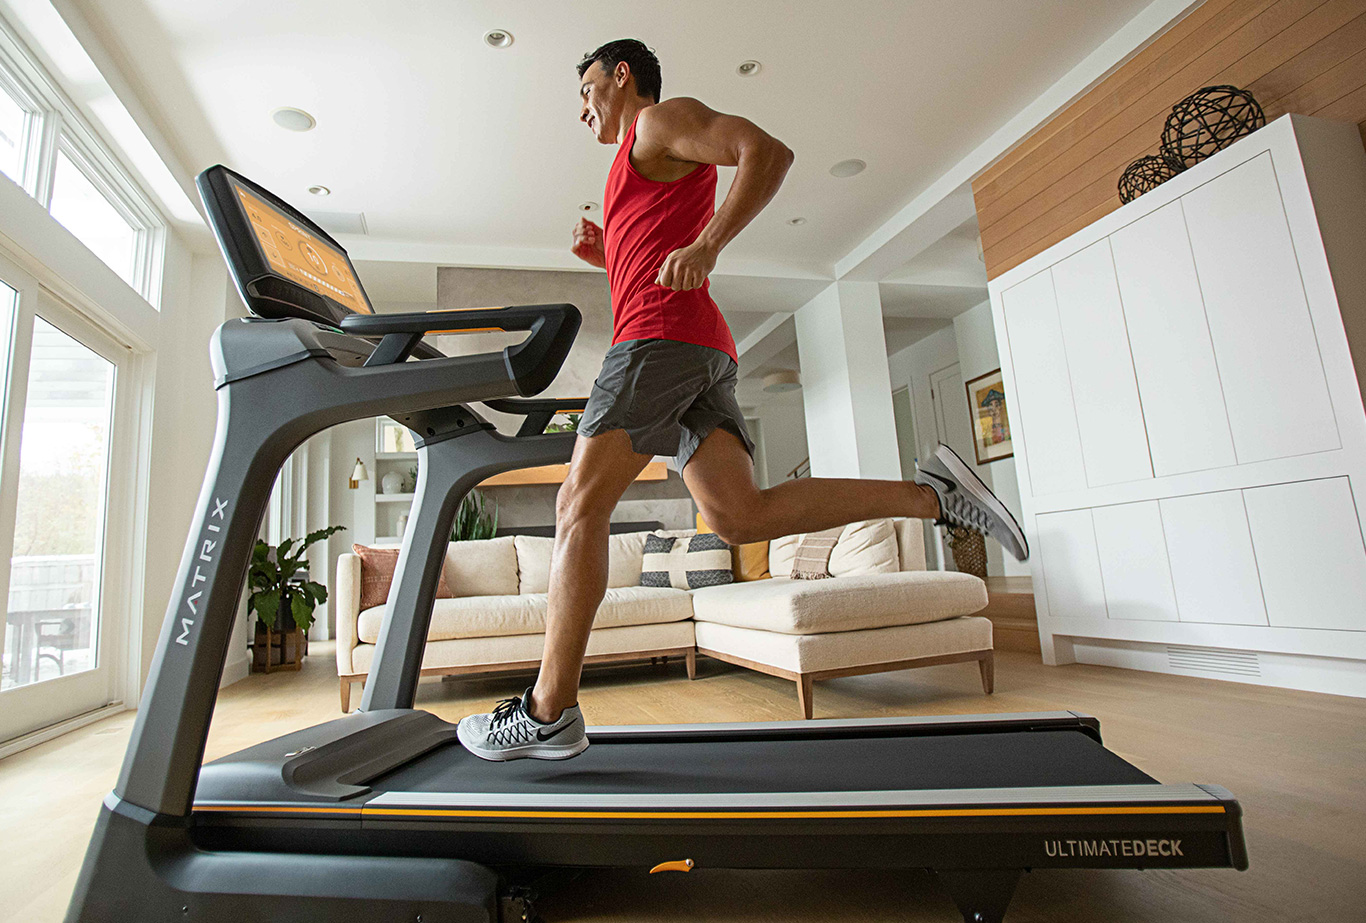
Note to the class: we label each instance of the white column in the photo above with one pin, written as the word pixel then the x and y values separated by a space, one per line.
pixel 846 386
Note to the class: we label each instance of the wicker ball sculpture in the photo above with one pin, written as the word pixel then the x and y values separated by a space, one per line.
pixel 1207 121
pixel 1144 175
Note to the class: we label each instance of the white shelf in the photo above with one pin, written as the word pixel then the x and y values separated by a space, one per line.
pixel 397 456
pixel 394 498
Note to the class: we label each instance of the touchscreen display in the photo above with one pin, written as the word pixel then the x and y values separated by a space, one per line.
pixel 301 256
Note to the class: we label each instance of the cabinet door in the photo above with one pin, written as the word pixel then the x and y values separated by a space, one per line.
pixel 1071 570
pixel 1133 562
pixel 1214 571
pixel 1310 554
pixel 1043 391
pixel 1269 364
pixel 1114 443
pixel 1183 404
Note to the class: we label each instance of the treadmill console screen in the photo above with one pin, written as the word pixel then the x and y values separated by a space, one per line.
pixel 301 256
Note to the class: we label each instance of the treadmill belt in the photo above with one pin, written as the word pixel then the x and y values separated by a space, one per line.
pixel 1025 759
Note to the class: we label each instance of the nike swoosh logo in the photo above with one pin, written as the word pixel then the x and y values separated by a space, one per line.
pixel 542 735
pixel 949 485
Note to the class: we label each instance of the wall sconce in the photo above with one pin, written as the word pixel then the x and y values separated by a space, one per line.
pixel 358 474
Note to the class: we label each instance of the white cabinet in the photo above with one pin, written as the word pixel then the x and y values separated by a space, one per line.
pixel 1114 442
pixel 1310 553
pixel 1133 562
pixel 1213 567
pixel 1043 390
pixel 1178 379
pixel 1067 544
pixel 1188 412
pixel 1269 364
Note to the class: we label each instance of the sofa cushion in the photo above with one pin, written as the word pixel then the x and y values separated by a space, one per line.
pixel 490 616
pixel 624 552
pixel 748 561
pixel 838 650
pixel 686 563
pixel 486 567
pixel 801 607
pixel 868 547
pixel 516 649
pixel 377 567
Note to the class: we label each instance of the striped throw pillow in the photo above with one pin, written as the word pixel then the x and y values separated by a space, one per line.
pixel 685 563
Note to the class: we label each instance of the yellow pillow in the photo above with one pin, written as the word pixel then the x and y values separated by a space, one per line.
pixel 748 562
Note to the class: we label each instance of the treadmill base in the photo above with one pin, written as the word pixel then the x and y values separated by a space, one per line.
pixel 142 867
pixel 982 895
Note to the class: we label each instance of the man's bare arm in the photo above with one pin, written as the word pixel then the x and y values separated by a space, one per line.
pixel 685 130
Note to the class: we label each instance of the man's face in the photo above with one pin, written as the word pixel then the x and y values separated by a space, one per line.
pixel 599 103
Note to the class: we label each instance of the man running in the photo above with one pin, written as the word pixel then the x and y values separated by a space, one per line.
pixel 667 385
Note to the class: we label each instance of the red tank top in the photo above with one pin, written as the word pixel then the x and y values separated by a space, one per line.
pixel 643 222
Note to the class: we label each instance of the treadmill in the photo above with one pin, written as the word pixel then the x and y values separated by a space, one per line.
pixel 381 815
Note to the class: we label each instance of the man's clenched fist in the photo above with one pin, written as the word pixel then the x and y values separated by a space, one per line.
pixel 588 243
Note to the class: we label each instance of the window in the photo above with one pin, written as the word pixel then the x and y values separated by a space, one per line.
pixel 47 147
pixel 86 212
pixel 58 527
pixel 13 122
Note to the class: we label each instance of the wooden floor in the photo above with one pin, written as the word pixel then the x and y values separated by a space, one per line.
pixel 1297 761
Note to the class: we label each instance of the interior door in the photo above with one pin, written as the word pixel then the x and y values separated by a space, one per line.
pixel 62 649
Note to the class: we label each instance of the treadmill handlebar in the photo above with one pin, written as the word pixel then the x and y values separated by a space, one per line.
pixel 531 364
pixel 537 413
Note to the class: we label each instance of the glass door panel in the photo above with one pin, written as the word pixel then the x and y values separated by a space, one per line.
pixel 53 615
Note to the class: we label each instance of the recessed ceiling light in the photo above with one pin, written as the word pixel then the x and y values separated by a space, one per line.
pixel 587 206
pixel 795 222
pixel 498 38
pixel 293 119
pixel 749 68
pixel 847 168
pixel 319 190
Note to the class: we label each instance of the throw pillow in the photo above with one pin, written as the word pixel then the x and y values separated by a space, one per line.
pixel 685 563
pixel 748 562
pixel 812 560
pixel 863 548
pixel 377 566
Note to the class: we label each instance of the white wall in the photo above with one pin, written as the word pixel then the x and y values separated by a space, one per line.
pixel 783 420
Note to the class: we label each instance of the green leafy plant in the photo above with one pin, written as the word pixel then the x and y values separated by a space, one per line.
pixel 570 426
pixel 477 518
pixel 279 584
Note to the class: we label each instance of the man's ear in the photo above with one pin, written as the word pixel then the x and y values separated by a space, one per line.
pixel 622 73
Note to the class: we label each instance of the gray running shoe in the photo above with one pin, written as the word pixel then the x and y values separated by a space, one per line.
pixel 965 501
pixel 510 733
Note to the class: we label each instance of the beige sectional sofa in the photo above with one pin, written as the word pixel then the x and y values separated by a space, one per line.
pixel 881 611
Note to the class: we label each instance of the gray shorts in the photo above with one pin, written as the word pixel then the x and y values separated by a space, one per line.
pixel 667 395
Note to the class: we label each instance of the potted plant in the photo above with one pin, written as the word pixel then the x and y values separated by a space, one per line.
pixel 283 598
pixel 475 519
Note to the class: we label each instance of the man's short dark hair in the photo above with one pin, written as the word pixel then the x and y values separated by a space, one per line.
pixel 644 64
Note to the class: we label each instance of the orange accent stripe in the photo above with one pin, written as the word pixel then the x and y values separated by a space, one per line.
pixel 785 815
pixel 282 809
pixel 469 330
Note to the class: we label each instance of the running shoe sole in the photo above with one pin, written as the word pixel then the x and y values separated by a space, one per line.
pixel 973 484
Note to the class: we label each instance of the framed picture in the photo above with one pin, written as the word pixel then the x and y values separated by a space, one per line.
pixel 990 423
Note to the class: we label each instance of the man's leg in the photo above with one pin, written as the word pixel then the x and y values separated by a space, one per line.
pixel 602 468
pixel 720 477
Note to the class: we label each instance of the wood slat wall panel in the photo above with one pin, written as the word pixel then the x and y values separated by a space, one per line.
pixel 1304 56
pixel 1250 51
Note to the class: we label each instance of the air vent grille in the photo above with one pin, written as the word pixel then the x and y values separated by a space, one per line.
pixel 340 222
pixel 1213 660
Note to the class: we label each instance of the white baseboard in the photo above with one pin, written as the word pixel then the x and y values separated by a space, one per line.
pixel 236 670
pixel 43 735
pixel 1335 676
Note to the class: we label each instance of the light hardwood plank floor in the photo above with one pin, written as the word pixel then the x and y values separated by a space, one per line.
pixel 1297 762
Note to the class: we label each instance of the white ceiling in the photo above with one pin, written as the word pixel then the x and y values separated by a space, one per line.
pixel 440 140
pixel 459 154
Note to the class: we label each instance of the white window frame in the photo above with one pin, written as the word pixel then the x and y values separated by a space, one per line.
pixel 56 124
